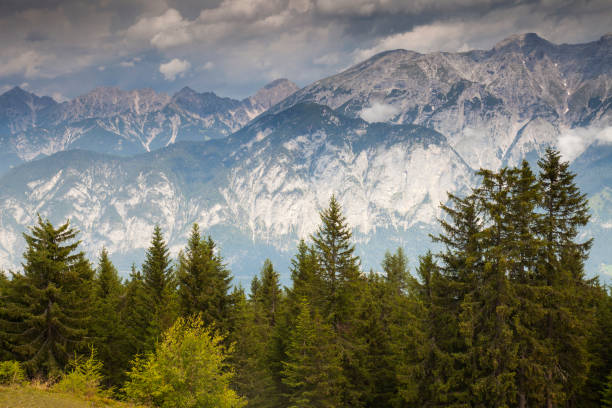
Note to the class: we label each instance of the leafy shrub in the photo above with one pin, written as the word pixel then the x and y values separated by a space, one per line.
pixel 187 370
pixel 11 373
pixel 84 378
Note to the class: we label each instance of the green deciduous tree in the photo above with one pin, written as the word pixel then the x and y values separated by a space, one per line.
pixel 187 369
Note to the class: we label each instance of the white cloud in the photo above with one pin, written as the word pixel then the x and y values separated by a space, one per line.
pixel 482 31
pixel 59 97
pixel 328 59
pixel 174 68
pixel 166 30
pixel 130 63
pixel 378 112
pixel 605 269
pixel 574 142
pixel 27 63
pixel 208 66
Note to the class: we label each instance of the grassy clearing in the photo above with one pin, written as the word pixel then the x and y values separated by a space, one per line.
pixel 33 397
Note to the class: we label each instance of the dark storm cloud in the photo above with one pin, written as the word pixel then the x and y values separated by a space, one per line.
pixel 235 46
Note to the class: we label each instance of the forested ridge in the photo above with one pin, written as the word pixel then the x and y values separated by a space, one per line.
pixel 502 316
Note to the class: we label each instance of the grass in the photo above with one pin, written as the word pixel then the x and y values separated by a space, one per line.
pixel 37 397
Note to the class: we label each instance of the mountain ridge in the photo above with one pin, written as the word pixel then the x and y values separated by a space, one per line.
pixel 111 120
pixel 433 119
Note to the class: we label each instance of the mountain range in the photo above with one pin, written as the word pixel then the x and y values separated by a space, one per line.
pixel 110 120
pixel 389 137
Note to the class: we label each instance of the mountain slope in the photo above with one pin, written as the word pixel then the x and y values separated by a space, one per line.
pixel 109 120
pixel 493 106
pixel 263 186
pixel 432 119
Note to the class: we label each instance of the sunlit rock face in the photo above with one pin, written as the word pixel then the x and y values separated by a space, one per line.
pixel 389 137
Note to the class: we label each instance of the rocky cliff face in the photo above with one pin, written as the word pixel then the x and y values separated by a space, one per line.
pixel 390 137
pixel 494 106
pixel 265 184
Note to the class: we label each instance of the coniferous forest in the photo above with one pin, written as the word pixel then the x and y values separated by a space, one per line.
pixel 502 316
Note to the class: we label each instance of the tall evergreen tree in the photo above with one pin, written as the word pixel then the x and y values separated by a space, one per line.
pixel 422 365
pixel 339 265
pixel 268 292
pixel 344 304
pixel 522 246
pixel 5 345
pixel 568 316
pixel 600 344
pixel 48 305
pixel 157 268
pixel 108 328
pixel 395 268
pixel 204 282
pixel 450 299
pixel 387 328
pixel 254 379
pixel 306 278
pixel 312 371
pixel 160 285
pixel 137 314
pixel 489 307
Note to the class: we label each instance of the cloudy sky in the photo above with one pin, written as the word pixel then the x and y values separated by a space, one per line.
pixel 65 48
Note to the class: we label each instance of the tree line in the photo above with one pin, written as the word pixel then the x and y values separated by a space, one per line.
pixel 502 316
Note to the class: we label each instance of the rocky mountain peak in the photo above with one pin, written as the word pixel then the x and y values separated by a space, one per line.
pixel 185 92
pixel 273 93
pixel 525 41
pixel 21 95
pixel 16 92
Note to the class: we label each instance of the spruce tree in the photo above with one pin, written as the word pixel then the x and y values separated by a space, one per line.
pixel 5 318
pixel 599 345
pixel 49 304
pixel 307 280
pixel 522 246
pixel 268 307
pixel 421 363
pixel 387 328
pixel 339 265
pixel 108 328
pixel 489 307
pixel 344 305
pixel 395 268
pixel 269 292
pixel 461 262
pixel 568 317
pixel 204 282
pixel 160 285
pixel 137 314
pixel 253 379
pixel 157 268
pixel 312 370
